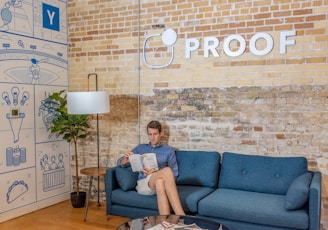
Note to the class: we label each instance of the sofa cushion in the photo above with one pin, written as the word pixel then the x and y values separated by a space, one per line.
pixel 260 173
pixel 191 195
pixel 126 179
pixel 132 198
pixel 199 168
pixel 298 192
pixel 252 207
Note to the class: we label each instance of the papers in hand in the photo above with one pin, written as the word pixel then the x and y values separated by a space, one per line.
pixel 146 160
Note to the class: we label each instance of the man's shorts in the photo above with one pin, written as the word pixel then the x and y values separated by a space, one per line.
pixel 143 188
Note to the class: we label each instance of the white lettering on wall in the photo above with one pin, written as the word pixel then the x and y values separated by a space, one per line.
pixel 255 38
pixel 211 43
pixel 192 44
pixel 229 39
pixel 284 42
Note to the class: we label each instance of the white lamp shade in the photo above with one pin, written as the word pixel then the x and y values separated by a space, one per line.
pixel 87 102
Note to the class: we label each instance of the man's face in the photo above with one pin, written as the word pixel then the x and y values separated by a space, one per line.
pixel 154 136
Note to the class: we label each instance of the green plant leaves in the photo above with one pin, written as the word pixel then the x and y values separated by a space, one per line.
pixel 70 126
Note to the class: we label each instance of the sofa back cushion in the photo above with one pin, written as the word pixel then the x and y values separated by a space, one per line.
pixel 260 173
pixel 200 168
pixel 126 179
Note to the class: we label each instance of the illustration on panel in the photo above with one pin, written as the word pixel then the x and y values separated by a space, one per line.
pixel 16 104
pixel 15 16
pixel 17 190
pixel 45 113
pixel 53 172
pixel 53 176
pixel 35 19
pixel 25 59
pixel 15 116
pixel 47 110
pixel 52 152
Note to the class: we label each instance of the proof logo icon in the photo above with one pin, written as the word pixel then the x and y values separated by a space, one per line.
pixel 169 38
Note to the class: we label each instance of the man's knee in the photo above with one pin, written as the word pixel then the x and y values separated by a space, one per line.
pixel 167 171
pixel 160 184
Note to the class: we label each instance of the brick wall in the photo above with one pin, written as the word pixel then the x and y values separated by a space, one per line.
pixel 274 104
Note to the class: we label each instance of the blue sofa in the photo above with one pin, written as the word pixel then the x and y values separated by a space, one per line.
pixel 244 192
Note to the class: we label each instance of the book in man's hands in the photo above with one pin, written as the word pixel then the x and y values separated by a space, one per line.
pixel 140 161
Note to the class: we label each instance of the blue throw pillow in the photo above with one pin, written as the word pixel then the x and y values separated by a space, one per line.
pixel 298 192
pixel 126 179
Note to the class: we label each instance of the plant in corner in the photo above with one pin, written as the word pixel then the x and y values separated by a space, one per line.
pixel 71 127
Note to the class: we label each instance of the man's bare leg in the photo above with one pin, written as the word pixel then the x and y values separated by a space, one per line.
pixel 164 178
pixel 162 200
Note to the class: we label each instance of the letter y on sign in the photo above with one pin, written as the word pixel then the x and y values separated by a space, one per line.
pixel 50 15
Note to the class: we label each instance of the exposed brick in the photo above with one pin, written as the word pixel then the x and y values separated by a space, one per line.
pixel 316 60
pixel 280 136
pixel 161 85
pixel 316 18
pixel 295 19
pixel 238 128
pixel 257 62
pixel 302 12
pixel 275 62
pixel 315 32
pixel 295 61
pixel 255 23
pixel 262 16
pixel 248 142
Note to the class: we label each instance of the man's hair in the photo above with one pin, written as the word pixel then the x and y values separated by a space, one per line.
pixel 155 125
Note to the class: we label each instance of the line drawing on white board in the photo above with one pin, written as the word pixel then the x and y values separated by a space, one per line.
pixel 32 67
pixel 53 174
pixel 47 111
pixel 15 116
pixel 16 190
pixel 14 17
pixel 15 156
pixel 24 59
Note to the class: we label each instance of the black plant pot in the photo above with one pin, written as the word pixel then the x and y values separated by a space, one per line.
pixel 78 201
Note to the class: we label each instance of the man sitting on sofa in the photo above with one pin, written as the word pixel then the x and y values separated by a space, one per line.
pixel 161 182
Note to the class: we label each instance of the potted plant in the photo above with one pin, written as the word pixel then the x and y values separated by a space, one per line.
pixel 71 127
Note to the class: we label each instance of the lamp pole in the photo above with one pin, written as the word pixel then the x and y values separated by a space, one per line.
pixel 98 155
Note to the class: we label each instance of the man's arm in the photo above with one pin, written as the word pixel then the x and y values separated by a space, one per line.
pixel 124 161
pixel 172 163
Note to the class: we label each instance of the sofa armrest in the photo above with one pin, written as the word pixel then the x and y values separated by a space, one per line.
pixel 111 184
pixel 315 201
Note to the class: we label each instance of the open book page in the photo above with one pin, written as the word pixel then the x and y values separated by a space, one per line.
pixel 185 227
pixel 147 160
pixel 167 226
pixel 136 162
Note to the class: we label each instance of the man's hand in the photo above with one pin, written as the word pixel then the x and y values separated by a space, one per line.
pixel 126 159
pixel 147 171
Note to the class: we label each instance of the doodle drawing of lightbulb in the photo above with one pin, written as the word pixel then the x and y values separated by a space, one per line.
pixel 25 97
pixel 15 118
pixel 15 94
pixel 5 97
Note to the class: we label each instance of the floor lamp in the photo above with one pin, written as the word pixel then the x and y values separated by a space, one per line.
pixel 95 102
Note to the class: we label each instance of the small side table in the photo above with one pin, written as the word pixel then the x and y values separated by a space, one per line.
pixel 92 172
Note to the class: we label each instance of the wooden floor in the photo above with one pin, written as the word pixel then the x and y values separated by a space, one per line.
pixel 63 216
